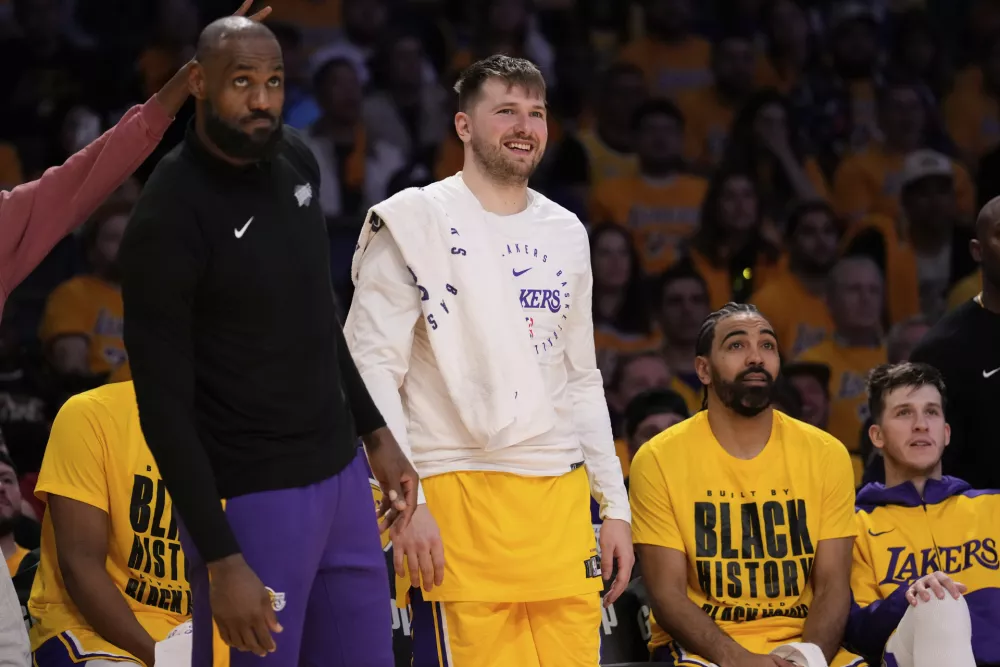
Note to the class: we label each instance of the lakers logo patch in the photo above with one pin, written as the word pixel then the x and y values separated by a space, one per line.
pixel 277 599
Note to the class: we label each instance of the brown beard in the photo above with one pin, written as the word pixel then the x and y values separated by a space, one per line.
pixel 498 167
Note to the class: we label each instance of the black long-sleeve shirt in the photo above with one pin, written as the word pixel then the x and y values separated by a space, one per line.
pixel 243 378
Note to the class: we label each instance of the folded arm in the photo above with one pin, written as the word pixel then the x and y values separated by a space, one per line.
pixel 831 583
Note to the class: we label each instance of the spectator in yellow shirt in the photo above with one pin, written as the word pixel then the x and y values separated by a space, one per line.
pixel 812 382
pixel 782 64
pixel 794 302
pixel 651 413
pixel 622 324
pixel 710 111
pixel 661 204
pixel 972 112
pixel 765 141
pixel 609 142
pixel 681 305
pixel 870 181
pixel 965 290
pixel 633 375
pixel 81 327
pixel 674 59
pixel 855 297
pixel 10 514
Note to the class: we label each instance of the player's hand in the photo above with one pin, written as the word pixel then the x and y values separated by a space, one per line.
pixel 938 583
pixel 241 606
pixel 396 476
pixel 420 544
pixel 257 16
pixel 616 548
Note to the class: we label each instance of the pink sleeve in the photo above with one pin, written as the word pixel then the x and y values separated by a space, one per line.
pixel 37 215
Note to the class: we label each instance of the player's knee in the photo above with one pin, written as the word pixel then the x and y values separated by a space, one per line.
pixel 942 618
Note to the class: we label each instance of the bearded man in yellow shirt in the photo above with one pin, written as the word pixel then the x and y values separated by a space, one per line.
pixel 743 518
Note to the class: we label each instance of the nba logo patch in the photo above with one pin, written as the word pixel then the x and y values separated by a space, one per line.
pixel 303 194
pixel 277 599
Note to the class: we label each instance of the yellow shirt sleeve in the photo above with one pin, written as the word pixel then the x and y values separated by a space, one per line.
pixel 63 315
pixel 864 580
pixel 74 462
pixel 653 520
pixel 838 495
pixel 852 196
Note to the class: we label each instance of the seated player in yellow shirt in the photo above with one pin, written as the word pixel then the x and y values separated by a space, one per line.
pixel 925 583
pixel 112 580
pixel 743 517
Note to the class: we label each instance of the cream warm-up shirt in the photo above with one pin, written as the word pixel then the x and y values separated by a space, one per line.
pixel 546 251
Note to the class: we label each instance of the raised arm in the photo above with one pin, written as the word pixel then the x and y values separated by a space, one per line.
pixel 162 258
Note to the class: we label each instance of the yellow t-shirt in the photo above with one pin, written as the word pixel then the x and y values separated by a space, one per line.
pixel 671 69
pixel 800 318
pixel 707 119
pixel 605 162
pixel 965 289
pixel 15 559
pixel 97 455
pixel 973 121
pixel 91 307
pixel 849 367
pixel 749 528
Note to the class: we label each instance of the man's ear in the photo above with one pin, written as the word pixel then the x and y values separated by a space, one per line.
pixel 875 433
pixel 196 81
pixel 703 371
pixel 462 126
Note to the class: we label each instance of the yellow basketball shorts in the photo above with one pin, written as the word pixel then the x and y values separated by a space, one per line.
pixel 553 633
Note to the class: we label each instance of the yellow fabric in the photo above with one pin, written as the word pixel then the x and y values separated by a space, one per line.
pixel 870 181
pixel 671 69
pixel 849 366
pixel 965 289
pixel 707 119
pixel 624 456
pixel 96 455
pixel 15 559
pixel 605 162
pixel 500 538
pixel 973 121
pixel 800 318
pixel 91 307
pixel 562 632
pixel 658 214
pixel 720 284
pixel 11 173
pixel 766 75
pixel 692 397
pixel 689 494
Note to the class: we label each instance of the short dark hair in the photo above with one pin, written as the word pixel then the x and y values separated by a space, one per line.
pixel 886 378
pixel 653 402
pixel 657 107
pixel 676 273
pixel 626 360
pixel 706 335
pixel 513 71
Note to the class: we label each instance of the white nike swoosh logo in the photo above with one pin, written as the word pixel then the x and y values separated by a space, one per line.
pixel 991 373
pixel 239 232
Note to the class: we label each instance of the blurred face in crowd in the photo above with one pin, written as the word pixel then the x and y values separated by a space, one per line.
pixel 771 121
pixel 339 93
pixel 104 254
pixel 612 260
pixel 912 432
pixel 683 307
pixel 788 26
pixel 903 118
pixel 904 341
pixel 743 363
pixel 652 426
pixel 815 403
pixel 856 296
pixel 814 242
pixel 241 90
pixel 10 500
pixel 986 246
pixel 508 17
pixel 668 18
pixel 506 128
pixel 659 139
pixel 641 374
pixel 930 203
pixel 738 205
pixel 733 63
pixel 855 47
pixel 624 93
pixel 406 64
pixel 364 20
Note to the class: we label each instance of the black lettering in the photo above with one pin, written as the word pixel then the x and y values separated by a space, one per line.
pixel 739 613
pixel 752 567
pixel 735 588
pixel 774 515
pixel 807 566
pixel 142 496
pixel 166 599
pixel 172 530
pixel 726 532
pixel 752 613
pixel 727 614
pixel 159 569
pixel 175 601
pixel 706 543
pixel 141 591
pixel 704 568
pixel 154 596
pixel 190 603
pixel 753 546
pixel 798 527
pixel 718 579
pixel 772 585
pixel 175 549
pixel 790 570
pixel 131 587
pixel 149 556
pixel 136 557
pixel 161 501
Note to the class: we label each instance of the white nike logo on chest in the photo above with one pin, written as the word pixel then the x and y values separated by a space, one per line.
pixel 991 373
pixel 239 232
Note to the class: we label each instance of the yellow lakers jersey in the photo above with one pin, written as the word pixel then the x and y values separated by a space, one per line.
pixel 903 536
pixel 749 528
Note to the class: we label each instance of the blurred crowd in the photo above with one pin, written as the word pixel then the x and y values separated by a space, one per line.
pixel 823 160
